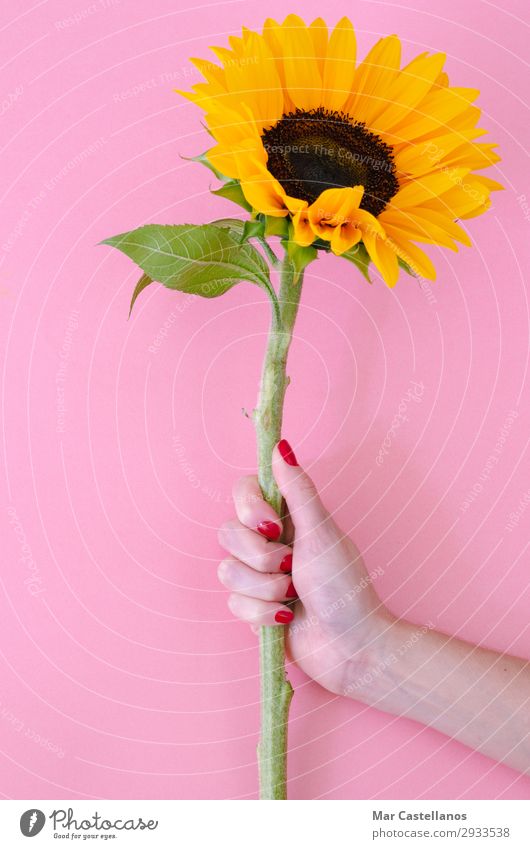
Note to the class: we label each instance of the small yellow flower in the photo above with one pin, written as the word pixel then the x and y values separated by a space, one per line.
pixel 370 152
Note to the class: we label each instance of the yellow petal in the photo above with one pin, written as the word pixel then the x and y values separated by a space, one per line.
pixel 408 90
pixel 425 225
pixel 424 156
pixel 411 254
pixel 425 188
pixel 335 216
pixel 474 156
pixel 223 53
pixel 372 79
pixel 343 238
pixel 477 210
pixel 302 75
pixel 335 206
pixel 474 196
pixel 383 256
pixel 249 157
pixel 273 35
pixel 224 160
pixel 467 119
pixel 419 228
pixel 437 114
pixel 212 73
pixel 444 223
pixel 233 126
pixel 238 44
pixel 319 33
pixel 488 183
pixel 466 199
pixel 339 67
pixel 294 205
pixel 303 234
pixel 256 83
pixel 368 223
pixel 264 194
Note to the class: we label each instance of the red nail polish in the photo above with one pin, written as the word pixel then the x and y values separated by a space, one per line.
pixel 287 563
pixel 269 529
pixel 284 616
pixel 291 592
pixel 287 452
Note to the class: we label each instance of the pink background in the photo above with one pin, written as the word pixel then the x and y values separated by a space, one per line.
pixel 122 672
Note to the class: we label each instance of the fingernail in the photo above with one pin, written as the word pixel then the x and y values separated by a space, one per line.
pixel 291 592
pixel 284 616
pixel 269 529
pixel 287 563
pixel 287 452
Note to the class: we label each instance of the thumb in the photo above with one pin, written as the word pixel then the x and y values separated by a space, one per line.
pixel 305 507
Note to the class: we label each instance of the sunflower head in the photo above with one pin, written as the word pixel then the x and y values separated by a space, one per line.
pixel 351 156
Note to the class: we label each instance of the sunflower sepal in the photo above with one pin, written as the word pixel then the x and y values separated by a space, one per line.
pixel 275 226
pixel 202 159
pixel 406 267
pixel 360 258
pixel 322 245
pixel 299 256
pixel 230 188
pixel 232 191
pixel 253 228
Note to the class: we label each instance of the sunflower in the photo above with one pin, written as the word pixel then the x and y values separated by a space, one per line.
pixel 370 154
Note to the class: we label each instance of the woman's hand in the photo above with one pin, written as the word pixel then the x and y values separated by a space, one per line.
pixel 342 636
pixel 338 626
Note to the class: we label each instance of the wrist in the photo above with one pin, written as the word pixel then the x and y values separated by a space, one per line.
pixel 374 670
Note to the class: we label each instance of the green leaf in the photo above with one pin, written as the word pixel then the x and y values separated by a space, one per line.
pixel 232 191
pixel 200 259
pixel 143 282
pixel 359 256
pixel 235 225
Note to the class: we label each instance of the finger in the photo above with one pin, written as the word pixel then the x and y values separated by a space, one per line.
pixel 305 507
pixel 258 612
pixel 288 528
pixel 252 509
pixel 253 549
pixel 240 578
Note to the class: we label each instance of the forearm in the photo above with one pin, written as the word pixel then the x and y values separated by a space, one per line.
pixel 472 694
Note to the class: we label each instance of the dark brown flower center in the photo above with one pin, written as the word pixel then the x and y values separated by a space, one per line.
pixel 317 150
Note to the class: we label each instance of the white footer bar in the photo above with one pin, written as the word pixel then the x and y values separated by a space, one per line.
pixel 265 825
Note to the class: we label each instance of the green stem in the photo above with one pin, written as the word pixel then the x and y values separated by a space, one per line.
pixel 276 691
pixel 271 256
